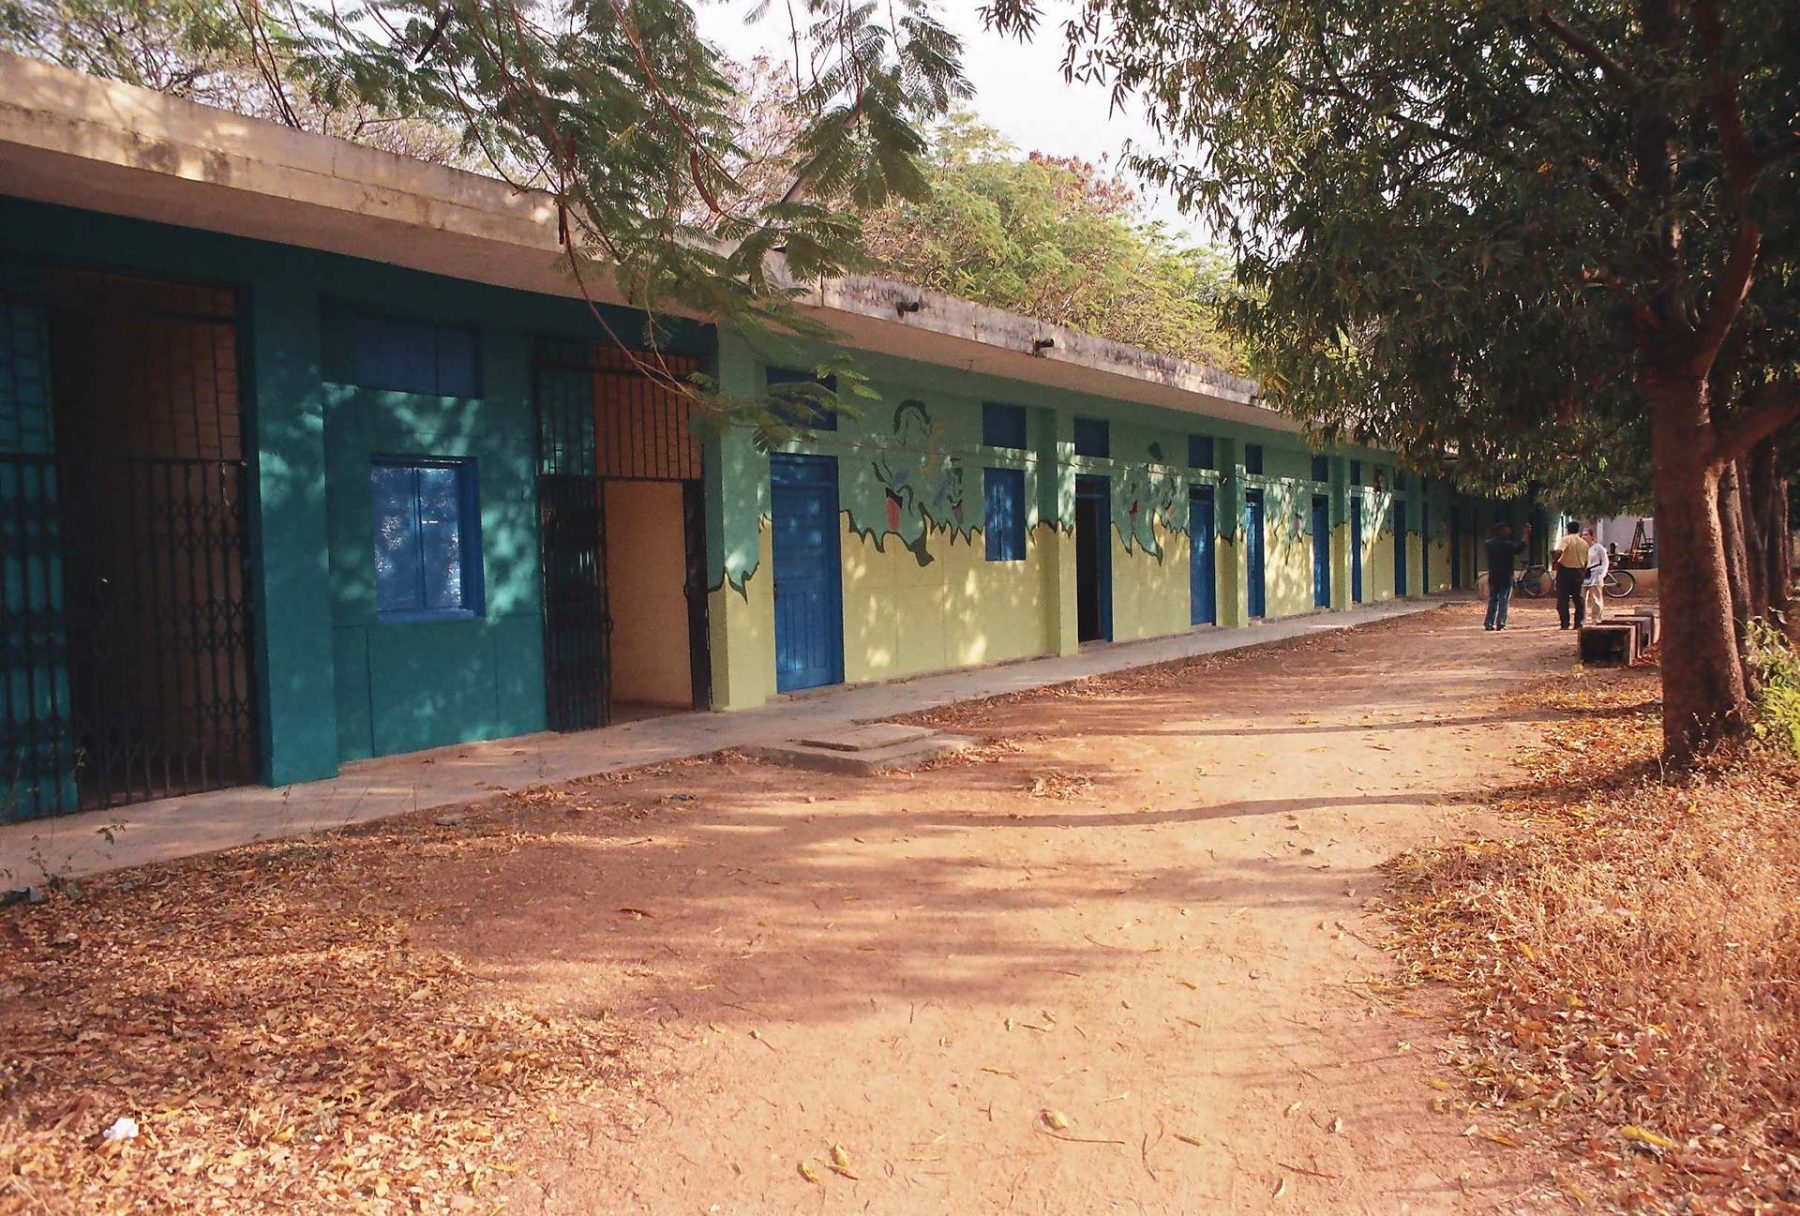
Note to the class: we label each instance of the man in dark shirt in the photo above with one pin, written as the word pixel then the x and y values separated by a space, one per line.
pixel 1501 549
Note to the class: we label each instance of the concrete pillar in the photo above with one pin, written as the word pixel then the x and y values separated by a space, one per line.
pixel 293 593
pixel 1054 441
pixel 1234 590
pixel 740 599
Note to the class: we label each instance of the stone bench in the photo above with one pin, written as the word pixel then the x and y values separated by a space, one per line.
pixel 1608 644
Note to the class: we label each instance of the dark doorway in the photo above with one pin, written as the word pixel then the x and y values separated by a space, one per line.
pixel 1255 540
pixel 1399 515
pixel 623 622
pixel 128 580
pixel 1456 547
pixel 1356 549
pixel 1321 543
pixel 1093 559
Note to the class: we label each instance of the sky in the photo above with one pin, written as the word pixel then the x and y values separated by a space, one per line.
pixel 1019 88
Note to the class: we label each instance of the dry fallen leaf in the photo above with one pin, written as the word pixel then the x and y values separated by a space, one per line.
pixel 840 1161
pixel 1055 1120
pixel 810 1174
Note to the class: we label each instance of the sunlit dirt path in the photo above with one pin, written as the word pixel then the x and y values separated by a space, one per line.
pixel 1117 962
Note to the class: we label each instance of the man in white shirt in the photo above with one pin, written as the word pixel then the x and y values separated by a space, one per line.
pixel 1593 589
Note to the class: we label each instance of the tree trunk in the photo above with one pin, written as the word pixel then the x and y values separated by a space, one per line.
pixel 1704 702
pixel 1781 572
pixel 1768 500
pixel 1737 566
pixel 1754 515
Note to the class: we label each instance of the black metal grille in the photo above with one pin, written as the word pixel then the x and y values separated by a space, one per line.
pixel 126 620
pixel 577 675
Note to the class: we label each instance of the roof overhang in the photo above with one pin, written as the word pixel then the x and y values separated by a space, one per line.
pixel 79 141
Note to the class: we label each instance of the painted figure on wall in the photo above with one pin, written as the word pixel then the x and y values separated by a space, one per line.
pixel 1151 502
pixel 922 485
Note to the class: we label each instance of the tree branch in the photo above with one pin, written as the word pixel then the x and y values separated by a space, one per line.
pixel 1728 297
pixel 1645 316
pixel 1723 104
pixel 1616 73
pixel 1767 409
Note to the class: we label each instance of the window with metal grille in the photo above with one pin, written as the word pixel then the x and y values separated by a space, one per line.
pixel 427 539
pixel 1321 468
pixel 415 357
pixel 1004 490
pixel 1093 437
pixel 1003 426
pixel 1253 458
pixel 798 398
pixel 1200 452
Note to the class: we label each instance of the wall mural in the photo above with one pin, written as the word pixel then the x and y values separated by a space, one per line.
pixel 923 486
pixel 1150 500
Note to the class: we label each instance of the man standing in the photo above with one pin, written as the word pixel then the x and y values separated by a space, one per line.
pixel 1501 549
pixel 1571 573
pixel 1593 590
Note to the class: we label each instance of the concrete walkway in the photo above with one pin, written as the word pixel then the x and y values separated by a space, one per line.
pixel 94 841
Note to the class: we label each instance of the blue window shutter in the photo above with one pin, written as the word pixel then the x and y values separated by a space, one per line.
pixel 1200 452
pixel 440 538
pixel 1004 493
pixel 395 490
pixel 1002 426
pixel 1093 437
pixel 427 539
pixel 456 363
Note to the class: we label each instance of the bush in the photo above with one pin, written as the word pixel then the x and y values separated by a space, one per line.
pixel 1777 667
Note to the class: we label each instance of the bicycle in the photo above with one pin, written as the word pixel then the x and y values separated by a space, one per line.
pixel 1619 584
pixel 1533 582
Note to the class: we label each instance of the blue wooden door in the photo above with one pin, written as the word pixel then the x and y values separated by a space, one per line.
pixel 1399 548
pixel 1321 539
pixel 809 610
pixel 1356 550
pixel 1203 586
pixel 1253 551
pixel 1424 549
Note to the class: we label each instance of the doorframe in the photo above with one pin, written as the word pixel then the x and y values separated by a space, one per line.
pixel 1256 555
pixel 1321 523
pixel 1198 494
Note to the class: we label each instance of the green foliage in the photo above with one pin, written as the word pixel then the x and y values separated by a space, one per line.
pixel 1776 665
pixel 1450 243
pixel 1057 239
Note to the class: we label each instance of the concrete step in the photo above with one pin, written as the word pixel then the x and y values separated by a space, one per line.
pixel 904 754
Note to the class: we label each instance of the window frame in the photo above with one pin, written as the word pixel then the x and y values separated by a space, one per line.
pixel 1004 544
pixel 1203 452
pixel 1254 459
pixel 822 419
pixel 1002 421
pixel 471 559
pixel 1321 469
pixel 362 375
pixel 1090 427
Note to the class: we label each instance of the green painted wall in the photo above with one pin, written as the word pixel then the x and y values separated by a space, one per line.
pixel 335 683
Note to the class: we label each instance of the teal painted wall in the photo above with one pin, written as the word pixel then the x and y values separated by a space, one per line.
pixel 334 683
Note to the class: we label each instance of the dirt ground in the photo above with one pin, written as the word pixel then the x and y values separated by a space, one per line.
pixel 1123 957
pixel 1127 959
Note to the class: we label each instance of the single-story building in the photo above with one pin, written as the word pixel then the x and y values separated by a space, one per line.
pixel 311 453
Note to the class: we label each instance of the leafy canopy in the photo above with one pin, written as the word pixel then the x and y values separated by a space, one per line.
pixel 1053 238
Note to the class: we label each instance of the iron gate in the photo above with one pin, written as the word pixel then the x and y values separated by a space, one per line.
pixel 600 417
pixel 126 621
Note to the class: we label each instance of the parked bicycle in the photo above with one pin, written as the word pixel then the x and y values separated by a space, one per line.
pixel 1533 582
